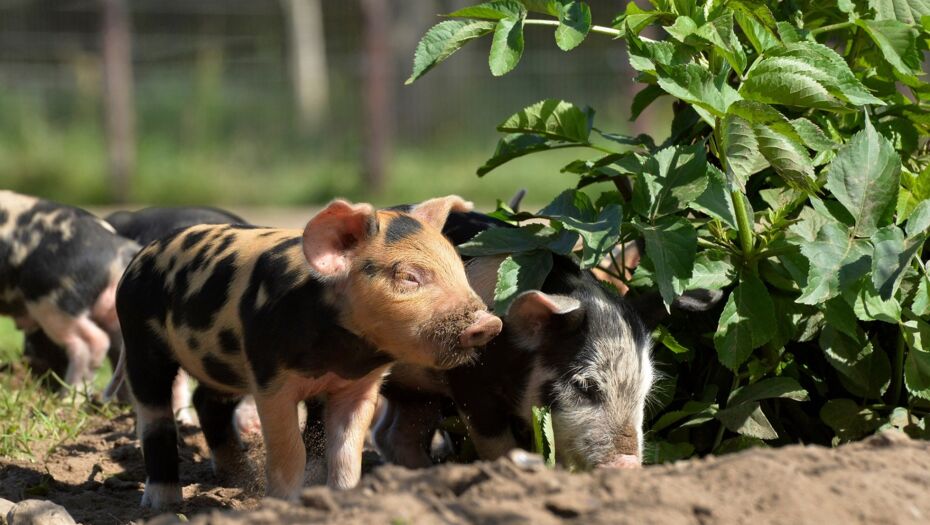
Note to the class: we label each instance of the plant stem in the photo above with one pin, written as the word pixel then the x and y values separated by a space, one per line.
pixel 832 27
pixel 609 31
pixel 743 223
pixel 898 371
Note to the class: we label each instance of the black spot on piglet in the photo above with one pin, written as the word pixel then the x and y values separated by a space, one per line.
pixel 400 228
pixel 221 372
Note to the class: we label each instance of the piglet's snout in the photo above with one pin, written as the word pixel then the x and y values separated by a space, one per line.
pixel 480 333
pixel 623 461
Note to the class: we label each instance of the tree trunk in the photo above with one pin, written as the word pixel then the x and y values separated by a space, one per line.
pixel 119 110
pixel 377 94
pixel 308 61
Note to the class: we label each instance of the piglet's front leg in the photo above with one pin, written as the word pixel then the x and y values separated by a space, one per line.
pixel 349 412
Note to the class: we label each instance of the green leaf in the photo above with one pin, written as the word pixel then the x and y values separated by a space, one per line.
pixel 918 223
pixel 864 177
pixel 869 306
pixel 805 74
pixel 643 99
pixel 553 119
pixel 746 322
pixel 813 137
pixel 496 241
pixel 836 262
pixel 494 10
pixel 665 452
pixel 665 338
pixel 671 244
pixel 518 273
pixel 917 365
pixel 921 304
pixel 841 316
pixel 759 35
pixel 696 85
pixel 747 419
pixel 907 11
pixel 716 200
pixel 738 444
pixel 770 388
pixel 848 420
pixel 897 42
pixel 711 272
pixel 570 204
pixel 757 135
pixel 670 180
pixel 702 409
pixel 597 237
pixel 574 24
pixel 892 256
pixel 719 32
pixel 442 40
pixel 516 145
pixel 543 435
pixel 863 371
pixel 506 46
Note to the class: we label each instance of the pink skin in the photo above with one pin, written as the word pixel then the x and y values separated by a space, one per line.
pixel 624 461
pixel 485 327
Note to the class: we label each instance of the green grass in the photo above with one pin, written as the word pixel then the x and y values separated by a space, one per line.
pixel 33 419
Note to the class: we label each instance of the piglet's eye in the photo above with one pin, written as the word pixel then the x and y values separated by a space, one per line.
pixel 586 387
pixel 408 278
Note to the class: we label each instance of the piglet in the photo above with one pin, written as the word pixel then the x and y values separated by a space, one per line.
pixel 286 316
pixel 59 267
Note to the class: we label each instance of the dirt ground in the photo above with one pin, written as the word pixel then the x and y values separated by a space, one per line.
pixel 885 479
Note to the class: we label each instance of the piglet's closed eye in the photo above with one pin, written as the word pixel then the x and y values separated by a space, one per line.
pixel 335 234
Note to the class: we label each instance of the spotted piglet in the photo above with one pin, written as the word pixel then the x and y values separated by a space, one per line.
pixel 59 267
pixel 286 316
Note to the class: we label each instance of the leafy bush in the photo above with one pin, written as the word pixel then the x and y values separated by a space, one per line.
pixel 795 179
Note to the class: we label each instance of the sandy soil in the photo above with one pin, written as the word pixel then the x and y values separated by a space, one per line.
pixel 885 479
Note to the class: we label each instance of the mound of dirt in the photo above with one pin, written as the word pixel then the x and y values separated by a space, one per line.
pixel 885 479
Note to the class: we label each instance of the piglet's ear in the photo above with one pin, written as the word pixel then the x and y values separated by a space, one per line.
pixel 332 237
pixel 531 312
pixel 435 211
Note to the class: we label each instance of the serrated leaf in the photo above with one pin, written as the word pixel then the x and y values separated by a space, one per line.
pixel 788 158
pixel 747 419
pixel 716 200
pixel 760 37
pixel 892 256
pixel 597 237
pixel 506 46
pixel 574 24
pixel 742 150
pixel 543 434
pixel 669 180
pixel 746 322
pixel 572 204
pixel 552 118
pixel 671 244
pixel 812 136
pixel 444 39
pixel 841 316
pixel 805 74
pixel 907 11
pixel 703 409
pixel 918 222
pixel 496 241
pixel 696 85
pixel 769 388
pixel 863 371
pixel 869 306
pixel 519 273
pixel 837 261
pixel 494 10
pixel 516 145
pixel 921 304
pixel 711 272
pixel 848 420
pixel 897 42
pixel 917 365
pixel 864 177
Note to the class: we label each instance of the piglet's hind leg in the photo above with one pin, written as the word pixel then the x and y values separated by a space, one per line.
pixel 284 449
pixel 348 417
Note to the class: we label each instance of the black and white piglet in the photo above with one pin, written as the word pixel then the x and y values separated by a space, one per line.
pixel 59 267
pixel 573 346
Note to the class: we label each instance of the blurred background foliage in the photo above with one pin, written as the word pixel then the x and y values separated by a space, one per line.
pixel 217 112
